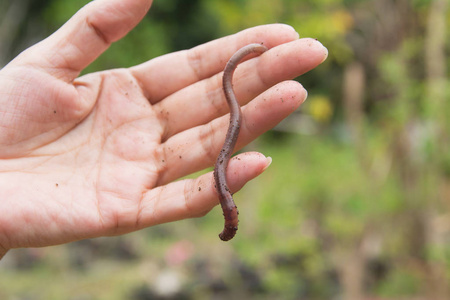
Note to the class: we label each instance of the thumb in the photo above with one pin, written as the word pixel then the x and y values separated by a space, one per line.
pixel 85 36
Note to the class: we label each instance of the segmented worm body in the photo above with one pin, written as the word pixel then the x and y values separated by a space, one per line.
pixel 229 208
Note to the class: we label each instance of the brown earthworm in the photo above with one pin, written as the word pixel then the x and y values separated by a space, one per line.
pixel 230 211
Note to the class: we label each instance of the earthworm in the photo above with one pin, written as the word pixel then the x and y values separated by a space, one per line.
pixel 229 208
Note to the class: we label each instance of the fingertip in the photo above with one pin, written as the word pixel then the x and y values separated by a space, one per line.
pixel 245 167
pixel 300 94
pixel 115 18
pixel 294 90
pixel 290 93
pixel 305 96
pixel 324 51
pixel 316 47
pixel 271 35
pixel 288 30
pixel 269 162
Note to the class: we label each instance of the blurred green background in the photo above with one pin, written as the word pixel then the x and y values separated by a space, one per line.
pixel 356 203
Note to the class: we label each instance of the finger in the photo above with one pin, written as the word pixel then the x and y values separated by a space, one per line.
pixel 85 36
pixel 197 148
pixel 195 197
pixel 167 74
pixel 205 100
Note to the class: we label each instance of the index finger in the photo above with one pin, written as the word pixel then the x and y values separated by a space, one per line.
pixel 167 74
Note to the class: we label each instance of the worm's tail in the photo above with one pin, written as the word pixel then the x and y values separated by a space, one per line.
pixel 231 223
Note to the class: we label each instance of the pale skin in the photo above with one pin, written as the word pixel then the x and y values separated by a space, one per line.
pixel 97 155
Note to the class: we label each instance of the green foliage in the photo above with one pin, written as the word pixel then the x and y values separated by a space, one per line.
pixel 400 283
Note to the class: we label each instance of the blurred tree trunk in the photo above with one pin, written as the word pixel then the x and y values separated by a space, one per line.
pixel 353 261
pixel 354 86
pixel 437 99
pixel 391 27
pixel 351 273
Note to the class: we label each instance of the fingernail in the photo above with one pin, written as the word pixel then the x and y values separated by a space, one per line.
pixel 306 96
pixel 269 162
pixel 326 52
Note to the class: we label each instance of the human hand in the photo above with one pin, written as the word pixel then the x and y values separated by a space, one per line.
pixel 97 155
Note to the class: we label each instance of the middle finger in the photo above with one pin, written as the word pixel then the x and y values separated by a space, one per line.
pixel 204 101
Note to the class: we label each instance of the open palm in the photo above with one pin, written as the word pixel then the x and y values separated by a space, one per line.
pixel 98 155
